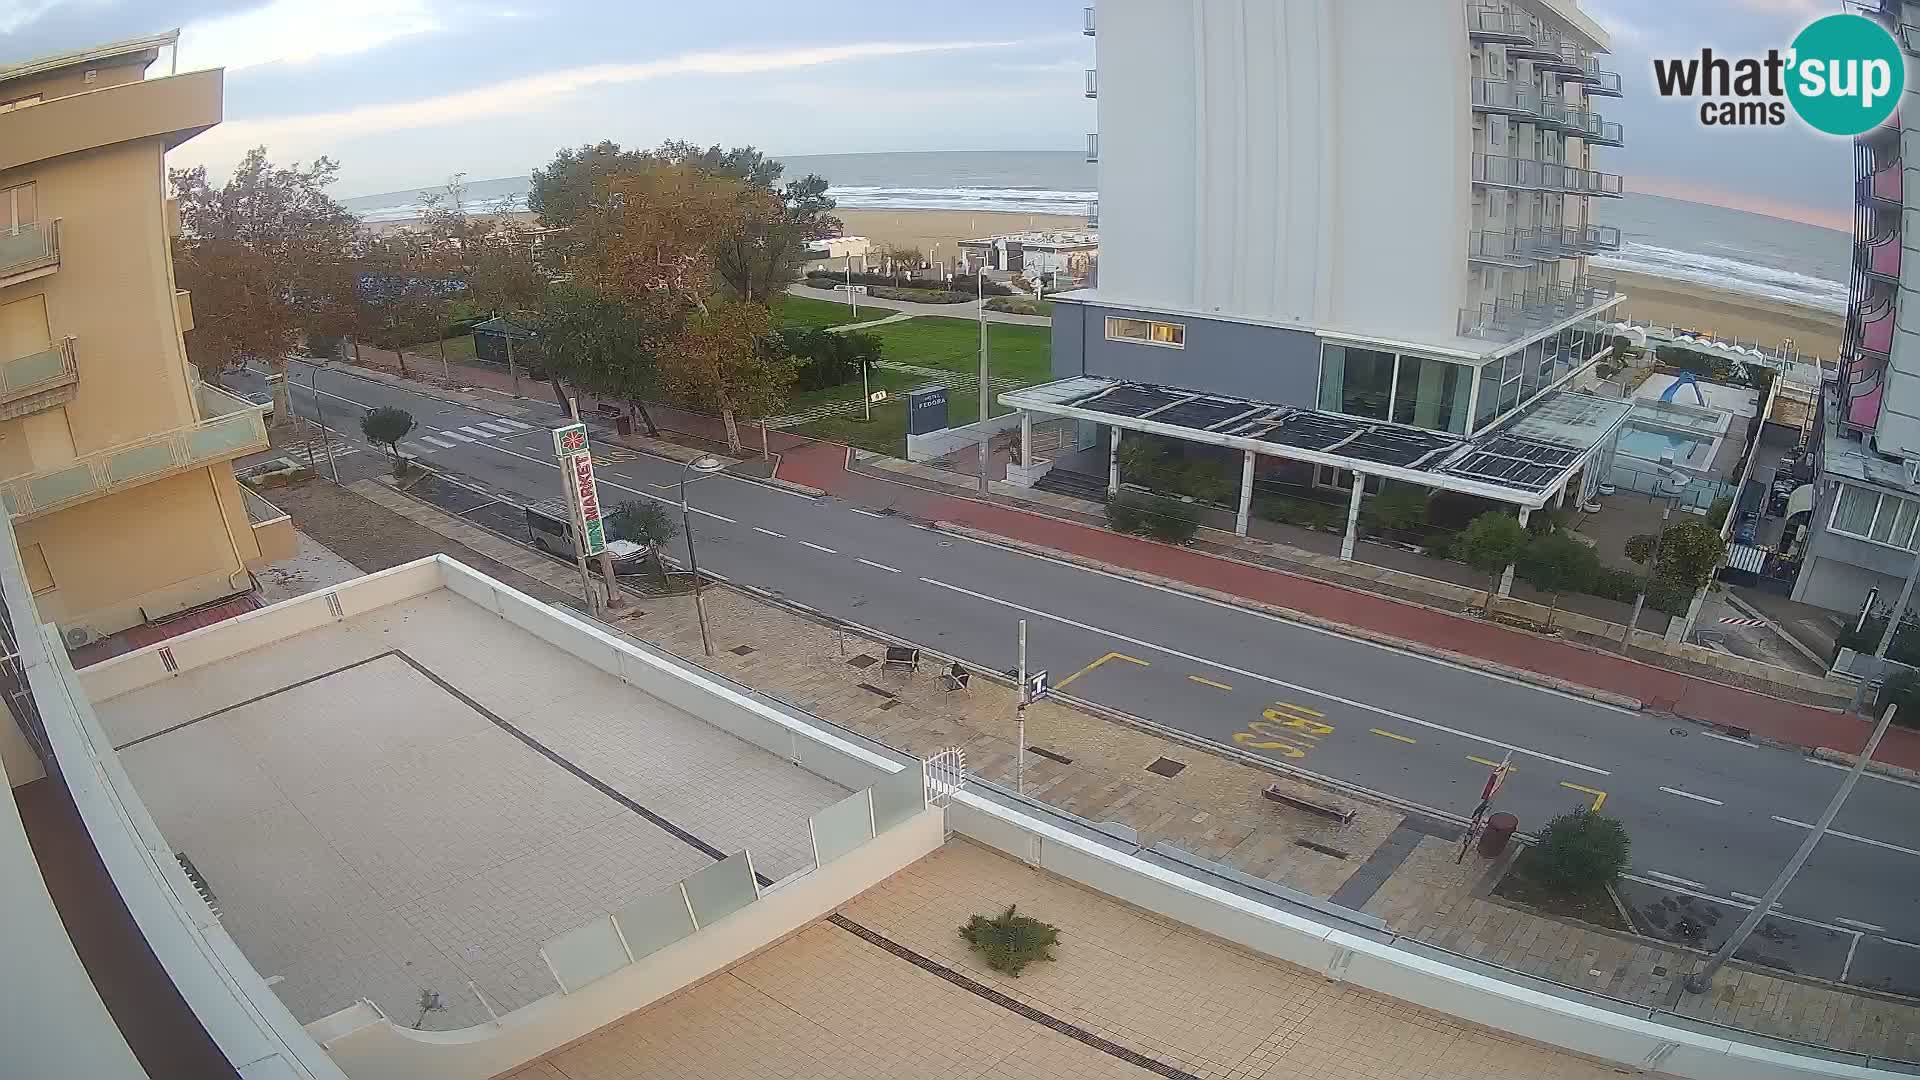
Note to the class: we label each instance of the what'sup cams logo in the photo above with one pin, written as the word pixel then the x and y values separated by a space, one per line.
pixel 1843 75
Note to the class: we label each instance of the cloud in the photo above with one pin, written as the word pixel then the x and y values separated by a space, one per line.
pixel 301 31
pixel 1826 217
pixel 18 13
pixel 536 92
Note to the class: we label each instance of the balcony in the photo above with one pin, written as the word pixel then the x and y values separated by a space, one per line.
pixel 1093 146
pixel 1088 13
pixel 1093 83
pixel 38 380
pixel 1505 98
pixel 1589 182
pixel 1883 186
pixel 1494 25
pixel 1602 83
pixel 272 530
pixel 1548 243
pixel 1595 239
pixel 1516 316
pixel 1093 214
pixel 1567 59
pixel 1493 170
pixel 28 252
pixel 230 428
pixel 1497 248
pixel 1591 127
pixel 1879 259
pixel 1542 45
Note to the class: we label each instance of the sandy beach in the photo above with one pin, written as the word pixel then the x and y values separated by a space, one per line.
pixel 924 229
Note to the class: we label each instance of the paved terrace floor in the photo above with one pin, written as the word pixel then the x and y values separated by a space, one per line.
pixel 419 796
pixel 886 988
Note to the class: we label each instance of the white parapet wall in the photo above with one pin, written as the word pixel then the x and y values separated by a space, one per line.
pixel 938 444
pixel 369 1047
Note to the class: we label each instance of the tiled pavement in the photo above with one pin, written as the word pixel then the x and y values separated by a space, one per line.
pixel 1212 808
pixel 828 1003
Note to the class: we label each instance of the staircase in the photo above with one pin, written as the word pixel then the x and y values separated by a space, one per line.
pixel 1077 485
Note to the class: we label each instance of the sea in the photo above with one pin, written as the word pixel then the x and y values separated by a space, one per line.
pixel 1766 257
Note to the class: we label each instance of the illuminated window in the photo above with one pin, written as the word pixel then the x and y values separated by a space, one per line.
pixel 1167 334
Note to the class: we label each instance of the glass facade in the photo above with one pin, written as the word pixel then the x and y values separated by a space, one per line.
pixel 1404 389
pixel 1358 382
pixel 1432 394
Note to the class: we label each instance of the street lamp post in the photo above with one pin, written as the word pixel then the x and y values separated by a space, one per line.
pixel 1899 612
pixel 320 413
pixel 701 465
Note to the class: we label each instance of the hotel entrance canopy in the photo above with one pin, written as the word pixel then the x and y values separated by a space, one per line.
pixel 1526 461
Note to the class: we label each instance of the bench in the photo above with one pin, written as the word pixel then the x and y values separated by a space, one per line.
pixel 901 656
pixel 957 678
pixel 608 409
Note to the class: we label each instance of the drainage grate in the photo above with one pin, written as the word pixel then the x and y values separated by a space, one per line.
pixel 1050 755
pixel 872 689
pixel 862 661
pixel 1323 849
pixel 1166 767
pixel 741 650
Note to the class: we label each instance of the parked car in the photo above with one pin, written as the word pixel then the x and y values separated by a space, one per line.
pixel 1747 529
pixel 261 397
pixel 552 532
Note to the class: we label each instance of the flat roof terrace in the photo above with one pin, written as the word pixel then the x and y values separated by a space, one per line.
pixel 419 796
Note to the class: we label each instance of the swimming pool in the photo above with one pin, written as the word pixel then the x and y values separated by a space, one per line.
pixel 1690 451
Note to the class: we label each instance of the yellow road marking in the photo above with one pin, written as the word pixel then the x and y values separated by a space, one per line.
pixel 1290 706
pixel 1299 723
pixel 1062 684
pixel 1208 682
pixel 1490 764
pixel 1383 733
pixel 1248 738
pixel 1599 797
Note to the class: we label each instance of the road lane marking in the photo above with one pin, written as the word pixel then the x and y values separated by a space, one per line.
pixel 1902 944
pixel 441 443
pixel 516 425
pixel 1385 734
pixel 877 565
pixel 1728 738
pixel 608 483
pixel 1856 837
pixel 1748 897
pixel 1477 760
pixel 1858 925
pixel 1062 684
pixel 867 513
pixel 479 432
pixel 1204 681
pixel 1599 797
pixel 496 427
pixel 1691 795
pixel 463 438
pixel 1677 880
pixel 816 547
pixel 1284 714
pixel 1389 713
pixel 1869 774
pixel 769 532
pixel 1308 627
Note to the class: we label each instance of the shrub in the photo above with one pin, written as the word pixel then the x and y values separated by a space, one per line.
pixel 646 523
pixel 1490 544
pixel 1399 507
pixel 1580 851
pixel 963 283
pixel 1154 516
pixel 1010 942
pixel 386 426
pixel 1020 305
pixel 1717 513
pixel 920 296
pixel 828 359
pixel 1556 562
pixel 1305 513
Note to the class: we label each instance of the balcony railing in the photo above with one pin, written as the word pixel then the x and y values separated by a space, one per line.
pixel 1093 214
pixel 1093 83
pixel 1493 23
pixel 1549 243
pixel 1591 127
pixel 1602 83
pixel 29 251
pixel 1567 58
pixel 1499 247
pixel 1088 13
pixel 1595 239
pixel 1516 316
pixel 1501 96
pixel 1093 146
pixel 1494 170
pixel 231 428
pixel 31 383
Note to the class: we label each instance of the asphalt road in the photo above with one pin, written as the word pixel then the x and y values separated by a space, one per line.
pixel 1711 818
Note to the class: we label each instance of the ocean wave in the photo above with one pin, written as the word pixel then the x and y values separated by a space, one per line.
pixel 1003 199
pixel 1735 275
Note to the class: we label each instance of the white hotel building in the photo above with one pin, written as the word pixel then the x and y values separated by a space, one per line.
pixel 1393 271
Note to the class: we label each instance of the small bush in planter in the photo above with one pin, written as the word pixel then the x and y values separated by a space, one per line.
pixel 1153 516
pixel 1010 942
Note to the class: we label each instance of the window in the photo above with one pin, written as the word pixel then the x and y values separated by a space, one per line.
pixel 1358 382
pixel 1432 394
pixel 1870 515
pixel 1169 334
pixel 17 207
pixel 39 578
pixel 19 103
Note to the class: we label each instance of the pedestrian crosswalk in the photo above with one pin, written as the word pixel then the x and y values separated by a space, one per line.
pixel 451 438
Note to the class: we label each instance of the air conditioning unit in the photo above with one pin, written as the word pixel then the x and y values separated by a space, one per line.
pixel 76 636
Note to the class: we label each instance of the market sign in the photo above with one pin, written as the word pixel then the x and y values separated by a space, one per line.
pixel 583 496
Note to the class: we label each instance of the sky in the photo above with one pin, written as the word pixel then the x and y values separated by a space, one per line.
pixel 405 93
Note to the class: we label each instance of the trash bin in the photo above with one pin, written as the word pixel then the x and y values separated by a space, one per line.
pixel 1496 833
pixel 623 424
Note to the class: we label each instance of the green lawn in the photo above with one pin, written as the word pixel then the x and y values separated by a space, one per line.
pixel 886 433
pixel 1021 352
pixel 458 348
pixel 893 382
pixel 818 314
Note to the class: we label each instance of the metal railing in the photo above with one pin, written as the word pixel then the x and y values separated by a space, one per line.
pixel 1093 146
pixel 1603 82
pixel 1491 22
pixel 1093 83
pixel 1088 13
pixel 1495 170
pixel 1503 96
pixel 1093 214
pixel 1496 246
pixel 34 373
pixel 1513 316
pixel 29 247
pixel 231 427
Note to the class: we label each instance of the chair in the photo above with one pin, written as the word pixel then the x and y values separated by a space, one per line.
pixel 902 656
pixel 957 678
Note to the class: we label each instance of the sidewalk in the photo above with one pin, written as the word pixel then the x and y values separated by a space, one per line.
pixel 823 466
pixel 1384 862
pixel 939 311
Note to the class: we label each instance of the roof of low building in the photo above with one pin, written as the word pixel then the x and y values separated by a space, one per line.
pixel 93 55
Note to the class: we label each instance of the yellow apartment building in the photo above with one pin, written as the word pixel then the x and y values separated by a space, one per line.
pixel 116 460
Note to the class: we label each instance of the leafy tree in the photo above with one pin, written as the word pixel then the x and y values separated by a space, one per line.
pixel 647 523
pixel 573 185
pixel 386 426
pixel 266 255
pixel 1580 851
pixel 1490 544
pixel 490 255
pixel 1009 941
pixel 602 346
pixel 400 300
pixel 1689 555
pixel 828 358
pixel 728 359
pixel 1555 563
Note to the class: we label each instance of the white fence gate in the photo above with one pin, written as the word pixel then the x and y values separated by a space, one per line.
pixel 946 775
